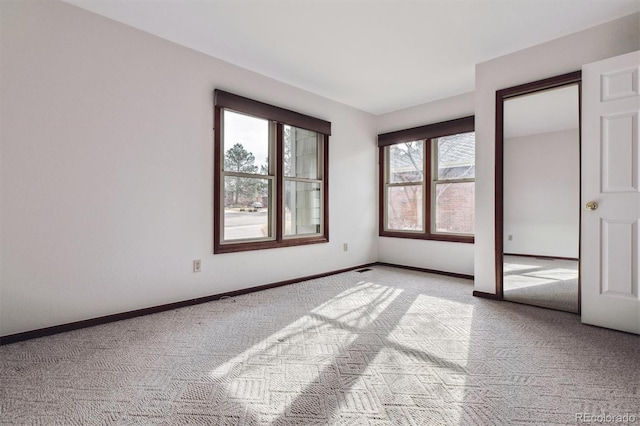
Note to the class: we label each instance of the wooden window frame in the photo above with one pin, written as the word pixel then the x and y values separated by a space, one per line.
pixel 281 117
pixel 429 135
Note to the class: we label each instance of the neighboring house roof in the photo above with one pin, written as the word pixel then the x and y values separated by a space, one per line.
pixel 460 150
pixel 455 151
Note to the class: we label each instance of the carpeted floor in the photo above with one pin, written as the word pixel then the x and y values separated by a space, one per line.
pixel 550 283
pixel 383 347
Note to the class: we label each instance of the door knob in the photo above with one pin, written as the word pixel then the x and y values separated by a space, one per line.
pixel 592 205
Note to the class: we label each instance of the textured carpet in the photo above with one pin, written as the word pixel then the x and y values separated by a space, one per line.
pixel 384 347
pixel 550 283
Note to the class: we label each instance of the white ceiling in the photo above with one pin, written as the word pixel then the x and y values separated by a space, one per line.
pixel 542 112
pixel 375 55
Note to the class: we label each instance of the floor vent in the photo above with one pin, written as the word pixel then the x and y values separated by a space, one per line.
pixel 364 270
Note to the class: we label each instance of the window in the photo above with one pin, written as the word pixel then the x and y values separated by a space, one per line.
pixel 270 176
pixel 427 182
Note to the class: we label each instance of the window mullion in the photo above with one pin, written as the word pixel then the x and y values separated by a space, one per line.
pixel 279 208
pixel 428 185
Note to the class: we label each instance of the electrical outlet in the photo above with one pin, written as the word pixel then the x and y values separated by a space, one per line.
pixel 345 247
pixel 197 265
pixel 510 237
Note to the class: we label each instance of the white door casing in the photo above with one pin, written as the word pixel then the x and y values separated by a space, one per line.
pixel 609 246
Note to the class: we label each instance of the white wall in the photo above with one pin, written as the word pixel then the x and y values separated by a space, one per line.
pixel 437 255
pixel 106 171
pixel 106 166
pixel 542 194
pixel 555 57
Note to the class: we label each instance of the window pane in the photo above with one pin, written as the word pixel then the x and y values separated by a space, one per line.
pixel 246 208
pixel 301 208
pixel 404 208
pixel 455 207
pixel 406 162
pixel 456 156
pixel 246 143
pixel 300 153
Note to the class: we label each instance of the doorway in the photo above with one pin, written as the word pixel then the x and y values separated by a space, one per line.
pixel 538 193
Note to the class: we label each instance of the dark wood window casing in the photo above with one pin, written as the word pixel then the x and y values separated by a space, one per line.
pixel 281 117
pixel 427 133
pixel 501 96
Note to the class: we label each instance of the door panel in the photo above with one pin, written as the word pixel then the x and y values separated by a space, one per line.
pixel 617 249
pixel 610 177
pixel 619 153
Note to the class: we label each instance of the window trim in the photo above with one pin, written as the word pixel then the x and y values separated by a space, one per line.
pixel 427 134
pixel 281 116
pixel 270 112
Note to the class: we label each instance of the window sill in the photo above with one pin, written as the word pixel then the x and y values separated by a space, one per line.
pixel 265 245
pixel 432 237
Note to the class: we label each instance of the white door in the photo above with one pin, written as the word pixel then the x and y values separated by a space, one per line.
pixel 611 178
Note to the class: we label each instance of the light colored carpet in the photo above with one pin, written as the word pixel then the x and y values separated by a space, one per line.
pixel 550 283
pixel 384 347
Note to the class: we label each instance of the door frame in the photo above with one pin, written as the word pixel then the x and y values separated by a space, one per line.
pixel 501 96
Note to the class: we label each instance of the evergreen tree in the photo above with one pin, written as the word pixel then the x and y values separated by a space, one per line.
pixel 238 159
